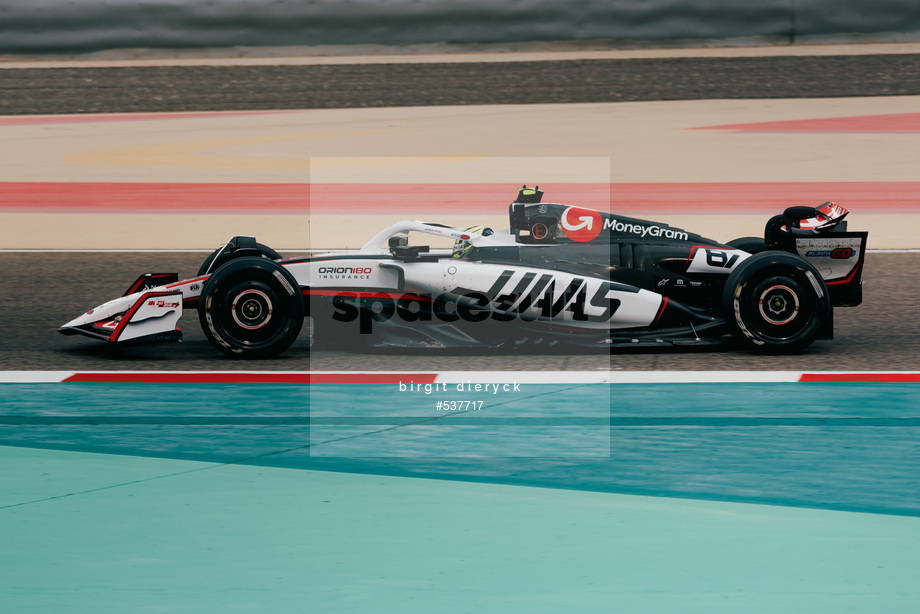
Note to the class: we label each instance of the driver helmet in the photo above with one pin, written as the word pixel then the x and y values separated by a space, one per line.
pixel 463 246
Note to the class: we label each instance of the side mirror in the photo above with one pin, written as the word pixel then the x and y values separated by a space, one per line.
pixel 398 241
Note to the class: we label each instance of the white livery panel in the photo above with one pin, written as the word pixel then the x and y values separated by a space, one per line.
pixel 137 315
pixel 534 294
pixel 718 260
pixel 360 274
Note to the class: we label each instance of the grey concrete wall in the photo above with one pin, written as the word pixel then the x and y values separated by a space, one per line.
pixel 80 26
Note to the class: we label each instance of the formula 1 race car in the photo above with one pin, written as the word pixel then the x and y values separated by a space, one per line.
pixel 562 275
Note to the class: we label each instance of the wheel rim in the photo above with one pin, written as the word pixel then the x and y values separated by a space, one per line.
pixel 250 314
pixel 251 309
pixel 777 308
pixel 779 304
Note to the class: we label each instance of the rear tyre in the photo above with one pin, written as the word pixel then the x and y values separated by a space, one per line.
pixel 251 308
pixel 751 245
pixel 777 302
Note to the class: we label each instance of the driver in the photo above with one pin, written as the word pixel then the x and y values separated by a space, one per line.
pixel 462 247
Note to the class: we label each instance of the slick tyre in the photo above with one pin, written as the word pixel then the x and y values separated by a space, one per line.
pixel 251 308
pixel 266 251
pixel 751 245
pixel 776 302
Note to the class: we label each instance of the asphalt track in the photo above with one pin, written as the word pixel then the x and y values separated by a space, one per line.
pixel 43 290
pixel 234 88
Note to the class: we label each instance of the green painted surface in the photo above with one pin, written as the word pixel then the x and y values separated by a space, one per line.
pixel 852 447
pixel 157 535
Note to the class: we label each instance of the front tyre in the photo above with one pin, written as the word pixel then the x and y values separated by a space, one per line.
pixel 251 308
pixel 224 255
pixel 777 302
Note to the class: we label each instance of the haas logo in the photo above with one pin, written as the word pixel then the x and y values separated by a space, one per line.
pixel 581 225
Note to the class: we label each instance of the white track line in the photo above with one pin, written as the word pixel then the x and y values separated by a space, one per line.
pixel 479 377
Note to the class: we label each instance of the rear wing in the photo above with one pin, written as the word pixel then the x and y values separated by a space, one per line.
pixel 840 258
pixel 819 234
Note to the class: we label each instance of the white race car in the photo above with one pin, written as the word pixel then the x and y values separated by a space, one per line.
pixel 561 275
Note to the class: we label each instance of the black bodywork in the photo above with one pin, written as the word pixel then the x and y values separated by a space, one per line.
pixel 700 307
